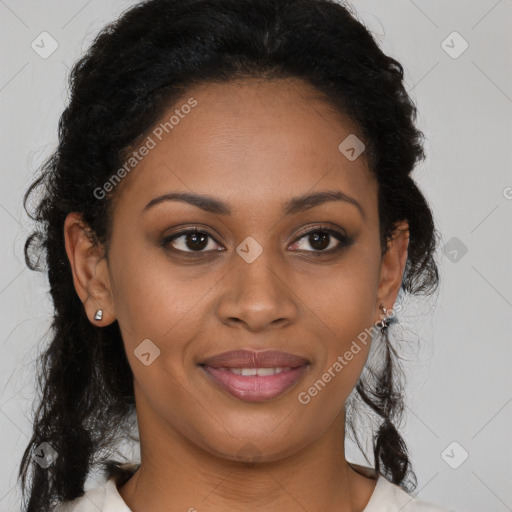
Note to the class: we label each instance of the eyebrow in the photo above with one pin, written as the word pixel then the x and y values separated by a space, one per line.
pixel 290 207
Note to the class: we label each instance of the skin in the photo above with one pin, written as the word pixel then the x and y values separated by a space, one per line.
pixel 254 145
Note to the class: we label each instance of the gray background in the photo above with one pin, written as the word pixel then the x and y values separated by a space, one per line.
pixel 459 378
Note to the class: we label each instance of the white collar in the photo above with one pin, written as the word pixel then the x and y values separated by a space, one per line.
pixel 386 497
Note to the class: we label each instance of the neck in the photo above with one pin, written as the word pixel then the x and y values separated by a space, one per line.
pixel 177 474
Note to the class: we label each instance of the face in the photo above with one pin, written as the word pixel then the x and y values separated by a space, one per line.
pixel 244 260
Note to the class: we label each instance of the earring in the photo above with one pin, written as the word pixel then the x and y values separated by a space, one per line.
pixel 98 315
pixel 384 323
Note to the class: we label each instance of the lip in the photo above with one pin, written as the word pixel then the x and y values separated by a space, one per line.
pixel 255 359
pixel 255 388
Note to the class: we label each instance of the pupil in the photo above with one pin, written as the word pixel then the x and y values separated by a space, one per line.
pixel 319 240
pixel 197 241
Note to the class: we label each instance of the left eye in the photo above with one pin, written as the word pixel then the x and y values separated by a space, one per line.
pixel 322 240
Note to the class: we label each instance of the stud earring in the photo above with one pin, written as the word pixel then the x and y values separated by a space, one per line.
pixel 98 315
pixel 384 323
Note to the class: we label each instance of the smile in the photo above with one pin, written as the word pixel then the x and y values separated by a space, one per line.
pixel 255 384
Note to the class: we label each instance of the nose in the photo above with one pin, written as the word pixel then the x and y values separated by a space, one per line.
pixel 257 296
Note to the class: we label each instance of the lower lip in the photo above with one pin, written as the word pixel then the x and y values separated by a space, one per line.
pixel 254 388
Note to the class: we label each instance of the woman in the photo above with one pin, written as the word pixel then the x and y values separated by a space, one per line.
pixel 228 220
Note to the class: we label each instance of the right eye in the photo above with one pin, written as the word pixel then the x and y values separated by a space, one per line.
pixel 191 240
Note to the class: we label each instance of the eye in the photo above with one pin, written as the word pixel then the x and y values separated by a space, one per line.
pixel 322 240
pixel 191 240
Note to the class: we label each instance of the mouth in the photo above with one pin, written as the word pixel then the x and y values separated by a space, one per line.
pixel 255 376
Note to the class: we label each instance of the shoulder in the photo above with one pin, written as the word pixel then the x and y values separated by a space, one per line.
pixel 104 498
pixel 388 497
pixel 92 501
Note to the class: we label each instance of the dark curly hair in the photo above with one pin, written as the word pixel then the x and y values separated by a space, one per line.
pixel 136 68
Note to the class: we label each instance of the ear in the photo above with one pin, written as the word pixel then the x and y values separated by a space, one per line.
pixel 90 270
pixel 392 268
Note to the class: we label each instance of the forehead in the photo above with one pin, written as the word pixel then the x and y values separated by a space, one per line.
pixel 248 142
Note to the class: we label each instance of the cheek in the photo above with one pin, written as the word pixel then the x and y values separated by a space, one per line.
pixel 342 301
pixel 337 370
pixel 342 314
pixel 151 297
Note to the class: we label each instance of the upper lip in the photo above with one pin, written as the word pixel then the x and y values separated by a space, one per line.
pixel 253 359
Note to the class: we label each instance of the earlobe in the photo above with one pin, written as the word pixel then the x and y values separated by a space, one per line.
pixel 393 266
pixel 90 271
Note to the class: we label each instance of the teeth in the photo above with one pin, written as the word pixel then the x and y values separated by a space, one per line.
pixel 262 372
pixel 267 371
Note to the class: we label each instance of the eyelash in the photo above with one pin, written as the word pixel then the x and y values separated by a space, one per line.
pixel 344 240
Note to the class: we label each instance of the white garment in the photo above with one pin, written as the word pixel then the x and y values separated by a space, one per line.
pixel 386 497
